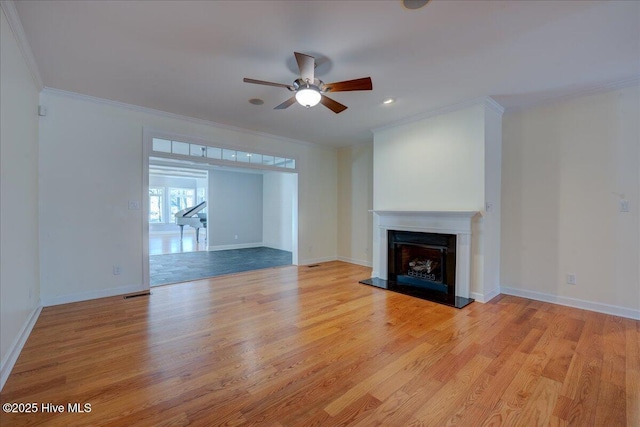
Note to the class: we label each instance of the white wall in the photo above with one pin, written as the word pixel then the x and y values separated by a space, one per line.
pixel 448 162
pixel 278 210
pixel 235 209
pixel 355 200
pixel 92 150
pixel 317 207
pixel 432 164
pixel 19 254
pixel 566 167
pixel 491 217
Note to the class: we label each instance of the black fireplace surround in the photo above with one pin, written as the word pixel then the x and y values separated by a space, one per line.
pixel 422 265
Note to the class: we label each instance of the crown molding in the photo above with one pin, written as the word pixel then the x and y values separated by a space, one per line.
pixel 493 105
pixel 485 101
pixel 590 90
pixel 10 11
pixel 164 114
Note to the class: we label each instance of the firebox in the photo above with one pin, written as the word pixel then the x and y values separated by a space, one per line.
pixel 423 263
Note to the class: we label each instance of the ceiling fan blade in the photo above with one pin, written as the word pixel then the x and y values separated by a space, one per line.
pixel 307 65
pixel 286 104
pixel 262 82
pixel 334 106
pixel 348 85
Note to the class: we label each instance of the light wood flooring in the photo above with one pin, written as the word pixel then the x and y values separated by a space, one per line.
pixel 300 346
pixel 170 243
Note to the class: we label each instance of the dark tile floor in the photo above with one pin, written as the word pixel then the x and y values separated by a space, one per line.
pixel 174 268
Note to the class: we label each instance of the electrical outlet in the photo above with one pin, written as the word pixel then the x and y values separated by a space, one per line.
pixel 117 270
pixel 235 237
pixel 134 205
pixel 488 207
pixel 571 279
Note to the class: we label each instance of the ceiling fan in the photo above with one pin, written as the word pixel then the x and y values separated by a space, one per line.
pixel 310 91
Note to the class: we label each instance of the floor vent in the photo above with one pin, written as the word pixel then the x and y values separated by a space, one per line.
pixel 141 294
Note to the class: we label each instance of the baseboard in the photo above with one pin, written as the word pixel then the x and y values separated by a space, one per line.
pixel 238 246
pixel 485 297
pixel 574 302
pixel 277 248
pixel 48 301
pixel 175 233
pixel 316 260
pixel 355 261
pixel 16 346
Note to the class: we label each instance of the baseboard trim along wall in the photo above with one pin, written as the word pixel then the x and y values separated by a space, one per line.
pixel 48 301
pixel 355 261
pixel 485 298
pixel 317 260
pixel 574 302
pixel 238 246
pixel 17 345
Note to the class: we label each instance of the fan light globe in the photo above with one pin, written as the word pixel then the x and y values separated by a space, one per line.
pixel 308 97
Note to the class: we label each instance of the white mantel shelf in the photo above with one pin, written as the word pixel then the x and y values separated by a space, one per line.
pixel 447 222
pixel 465 214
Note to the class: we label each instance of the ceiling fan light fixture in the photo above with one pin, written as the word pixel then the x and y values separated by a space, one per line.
pixel 308 96
pixel 310 91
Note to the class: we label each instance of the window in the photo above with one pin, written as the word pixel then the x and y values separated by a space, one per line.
pixel 156 204
pixel 181 198
pixel 227 155
pixel 201 194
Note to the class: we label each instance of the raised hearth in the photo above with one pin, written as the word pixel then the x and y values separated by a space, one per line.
pixel 424 254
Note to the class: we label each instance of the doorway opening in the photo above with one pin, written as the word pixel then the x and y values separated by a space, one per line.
pixel 206 219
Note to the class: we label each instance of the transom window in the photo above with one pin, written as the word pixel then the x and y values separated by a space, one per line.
pixel 221 154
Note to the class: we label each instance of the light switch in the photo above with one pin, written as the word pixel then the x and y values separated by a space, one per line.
pixel 624 206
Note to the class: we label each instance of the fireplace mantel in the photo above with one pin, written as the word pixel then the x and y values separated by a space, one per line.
pixel 447 221
pixel 435 213
pixel 444 222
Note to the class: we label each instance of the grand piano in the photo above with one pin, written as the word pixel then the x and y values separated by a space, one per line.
pixel 190 216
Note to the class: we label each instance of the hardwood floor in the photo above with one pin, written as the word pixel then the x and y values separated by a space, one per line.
pixel 161 244
pixel 300 346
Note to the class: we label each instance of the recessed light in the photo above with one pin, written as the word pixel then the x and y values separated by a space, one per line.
pixel 256 101
pixel 388 101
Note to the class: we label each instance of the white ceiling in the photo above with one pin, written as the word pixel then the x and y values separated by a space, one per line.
pixel 189 57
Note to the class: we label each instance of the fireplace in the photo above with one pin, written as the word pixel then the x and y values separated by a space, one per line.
pixel 423 254
pixel 426 261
